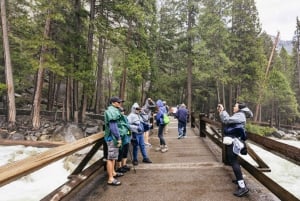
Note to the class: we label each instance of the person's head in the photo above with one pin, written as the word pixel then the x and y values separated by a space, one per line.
pixel 136 108
pixel 238 106
pixel 116 101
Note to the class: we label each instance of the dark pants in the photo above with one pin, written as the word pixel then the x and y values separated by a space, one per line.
pixel 123 152
pixel 233 161
pixel 161 135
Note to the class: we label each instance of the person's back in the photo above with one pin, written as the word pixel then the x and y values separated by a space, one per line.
pixel 182 116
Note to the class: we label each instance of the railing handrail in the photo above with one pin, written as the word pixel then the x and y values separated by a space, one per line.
pixel 275 188
pixel 17 169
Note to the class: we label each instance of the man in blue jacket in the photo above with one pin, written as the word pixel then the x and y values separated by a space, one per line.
pixel 182 116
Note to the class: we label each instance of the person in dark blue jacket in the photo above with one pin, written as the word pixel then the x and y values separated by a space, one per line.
pixel 182 116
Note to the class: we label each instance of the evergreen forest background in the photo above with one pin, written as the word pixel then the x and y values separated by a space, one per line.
pixel 72 56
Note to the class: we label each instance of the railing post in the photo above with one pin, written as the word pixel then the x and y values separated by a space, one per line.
pixel 202 125
pixel 224 148
pixel 193 119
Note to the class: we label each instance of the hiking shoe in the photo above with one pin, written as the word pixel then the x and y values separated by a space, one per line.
pixel 241 192
pixel 164 149
pixel 147 160
pixel 135 163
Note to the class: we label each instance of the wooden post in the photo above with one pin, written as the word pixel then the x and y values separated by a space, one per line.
pixel 193 120
pixel 202 126
pixel 224 148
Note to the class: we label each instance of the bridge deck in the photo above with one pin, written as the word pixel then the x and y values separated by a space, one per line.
pixel 191 170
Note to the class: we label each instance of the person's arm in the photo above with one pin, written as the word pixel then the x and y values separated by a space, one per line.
pixel 226 119
pixel 113 126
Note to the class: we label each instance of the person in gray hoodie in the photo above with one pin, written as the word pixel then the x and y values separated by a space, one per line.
pixel 235 125
pixel 136 126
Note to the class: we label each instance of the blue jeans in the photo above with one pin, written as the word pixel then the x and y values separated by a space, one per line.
pixel 140 143
pixel 181 128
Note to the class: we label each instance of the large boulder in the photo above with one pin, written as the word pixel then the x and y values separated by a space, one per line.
pixel 278 134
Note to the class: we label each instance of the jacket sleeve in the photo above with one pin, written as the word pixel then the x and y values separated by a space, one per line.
pixel 238 117
pixel 113 127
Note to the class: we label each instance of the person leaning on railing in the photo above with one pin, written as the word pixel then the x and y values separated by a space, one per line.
pixel 235 129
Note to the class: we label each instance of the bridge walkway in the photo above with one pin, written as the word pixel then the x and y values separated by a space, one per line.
pixel 191 170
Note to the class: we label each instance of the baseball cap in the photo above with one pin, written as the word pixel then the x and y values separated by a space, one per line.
pixel 116 99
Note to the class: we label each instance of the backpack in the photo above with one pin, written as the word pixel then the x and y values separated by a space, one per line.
pixel 166 118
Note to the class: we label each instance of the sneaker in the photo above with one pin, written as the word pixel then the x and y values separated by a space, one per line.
pixel 147 160
pixel 135 163
pixel 126 167
pixel 148 144
pixel 121 170
pixel 158 148
pixel 164 149
pixel 180 136
pixel 241 192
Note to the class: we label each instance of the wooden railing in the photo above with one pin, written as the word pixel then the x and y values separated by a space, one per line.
pixel 16 170
pixel 211 129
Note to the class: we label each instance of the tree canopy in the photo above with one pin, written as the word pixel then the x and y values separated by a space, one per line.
pixel 74 55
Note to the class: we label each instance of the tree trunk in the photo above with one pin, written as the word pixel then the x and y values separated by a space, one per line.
pixel 189 61
pixel 11 106
pixel 51 91
pixel 40 77
pixel 264 80
pixel 99 85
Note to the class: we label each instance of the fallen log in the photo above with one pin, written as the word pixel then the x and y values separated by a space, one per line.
pixel 40 144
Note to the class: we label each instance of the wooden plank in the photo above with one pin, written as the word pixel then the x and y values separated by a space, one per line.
pixel 15 170
pixel 75 183
pixel 30 143
pixel 261 164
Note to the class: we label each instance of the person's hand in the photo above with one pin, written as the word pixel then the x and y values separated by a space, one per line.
pixel 220 108
pixel 119 143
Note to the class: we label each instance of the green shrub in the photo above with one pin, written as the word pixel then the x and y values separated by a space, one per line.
pixel 259 130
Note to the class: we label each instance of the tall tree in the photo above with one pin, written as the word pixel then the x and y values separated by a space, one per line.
pixel 36 121
pixel 11 107
pixel 246 52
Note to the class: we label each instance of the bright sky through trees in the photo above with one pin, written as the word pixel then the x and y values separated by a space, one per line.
pixel 279 15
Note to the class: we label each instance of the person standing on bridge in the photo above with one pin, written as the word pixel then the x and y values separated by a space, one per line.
pixel 182 116
pixel 237 120
pixel 161 125
pixel 136 126
pixel 113 121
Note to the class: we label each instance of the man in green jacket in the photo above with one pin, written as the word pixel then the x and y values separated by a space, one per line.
pixel 113 124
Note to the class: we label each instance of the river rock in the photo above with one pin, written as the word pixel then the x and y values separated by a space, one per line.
pixel 278 134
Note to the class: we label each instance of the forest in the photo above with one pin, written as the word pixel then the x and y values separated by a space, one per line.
pixel 72 56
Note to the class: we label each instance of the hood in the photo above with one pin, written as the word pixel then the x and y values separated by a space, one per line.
pixel 134 107
pixel 159 103
pixel 247 112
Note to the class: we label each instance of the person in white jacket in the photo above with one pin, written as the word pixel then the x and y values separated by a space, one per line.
pixel 237 120
pixel 136 126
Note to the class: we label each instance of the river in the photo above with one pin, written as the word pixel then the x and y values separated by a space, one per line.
pixel 35 186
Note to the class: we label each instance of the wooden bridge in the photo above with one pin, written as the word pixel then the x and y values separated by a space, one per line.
pixel 193 169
